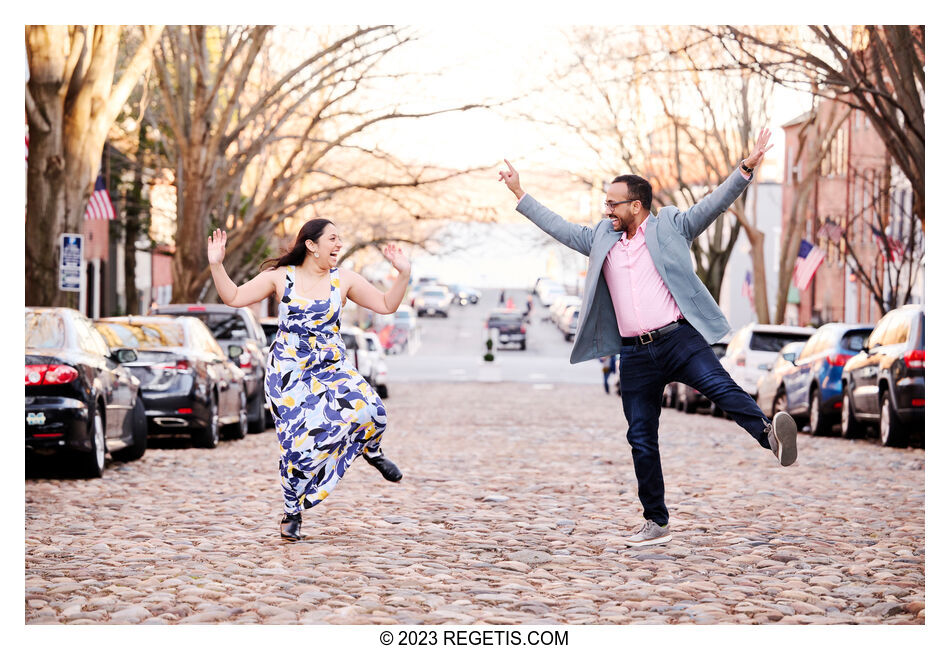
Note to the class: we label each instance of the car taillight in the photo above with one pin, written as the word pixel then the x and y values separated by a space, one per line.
pixel 914 359
pixel 917 402
pixel 523 330
pixel 44 375
pixel 245 360
pixel 740 361
pixel 838 359
pixel 181 364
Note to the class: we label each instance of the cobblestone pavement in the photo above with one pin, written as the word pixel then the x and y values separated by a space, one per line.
pixel 513 510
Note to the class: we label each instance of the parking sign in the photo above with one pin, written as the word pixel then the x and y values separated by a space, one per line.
pixel 70 262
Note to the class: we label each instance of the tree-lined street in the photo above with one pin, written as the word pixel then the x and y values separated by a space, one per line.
pixel 518 493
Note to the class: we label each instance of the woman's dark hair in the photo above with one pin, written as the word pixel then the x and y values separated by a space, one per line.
pixel 638 189
pixel 311 230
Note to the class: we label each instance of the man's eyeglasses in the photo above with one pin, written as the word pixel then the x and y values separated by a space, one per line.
pixel 610 205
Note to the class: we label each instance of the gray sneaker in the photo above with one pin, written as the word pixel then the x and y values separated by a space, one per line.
pixel 782 438
pixel 650 533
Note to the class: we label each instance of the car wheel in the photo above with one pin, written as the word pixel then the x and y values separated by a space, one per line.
pixel 238 430
pixel 524 345
pixel 816 420
pixel 139 435
pixel 780 403
pixel 382 391
pixel 257 420
pixel 850 428
pixel 92 463
pixel 890 434
pixel 689 406
pixel 208 436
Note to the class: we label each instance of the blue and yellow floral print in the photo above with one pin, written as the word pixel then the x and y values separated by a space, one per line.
pixel 325 413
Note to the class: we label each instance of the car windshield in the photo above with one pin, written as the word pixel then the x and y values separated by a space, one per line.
pixel 438 293
pixel 854 340
pixel 222 326
pixel 142 335
pixel 45 330
pixel 773 341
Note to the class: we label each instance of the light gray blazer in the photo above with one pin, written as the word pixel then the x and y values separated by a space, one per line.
pixel 668 236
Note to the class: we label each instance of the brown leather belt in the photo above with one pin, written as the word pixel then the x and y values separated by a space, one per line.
pixel 649 337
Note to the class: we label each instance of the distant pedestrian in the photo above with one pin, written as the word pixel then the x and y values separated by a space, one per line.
pixel 609 364
pixel 643 299
pixel 501 297
pixel 325 413
pixel 528 308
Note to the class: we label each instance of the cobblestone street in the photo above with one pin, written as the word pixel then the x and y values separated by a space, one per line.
pixel 513 510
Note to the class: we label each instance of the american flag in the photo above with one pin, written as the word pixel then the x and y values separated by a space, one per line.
pixel 806 264
pixel 100 206
pixel 747 289
pixel 897 248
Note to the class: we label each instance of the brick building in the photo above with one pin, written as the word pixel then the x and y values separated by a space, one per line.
pixel 856 186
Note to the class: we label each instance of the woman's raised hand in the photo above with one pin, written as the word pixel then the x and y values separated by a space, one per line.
pixel 216 243
pixel 396 257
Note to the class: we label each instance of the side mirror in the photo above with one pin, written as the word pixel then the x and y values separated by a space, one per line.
pixel 125 355
pixel 235 352
pixel 769 367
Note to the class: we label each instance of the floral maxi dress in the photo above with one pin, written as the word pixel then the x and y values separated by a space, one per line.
pixel 325 413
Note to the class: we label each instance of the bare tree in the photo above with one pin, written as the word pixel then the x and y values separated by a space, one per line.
pixel 882 224
pixel 72 98
pixel 876 69
pixel 256 139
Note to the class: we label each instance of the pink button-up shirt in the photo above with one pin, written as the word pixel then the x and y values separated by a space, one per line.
pixel 641 300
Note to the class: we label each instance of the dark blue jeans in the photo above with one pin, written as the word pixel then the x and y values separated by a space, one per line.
pixel 684 356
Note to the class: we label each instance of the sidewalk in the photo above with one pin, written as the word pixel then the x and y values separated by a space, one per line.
pixel 513 510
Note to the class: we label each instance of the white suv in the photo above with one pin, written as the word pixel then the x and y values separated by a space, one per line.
pixel 754 347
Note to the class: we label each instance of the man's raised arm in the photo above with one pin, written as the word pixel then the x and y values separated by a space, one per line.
pixel 578 237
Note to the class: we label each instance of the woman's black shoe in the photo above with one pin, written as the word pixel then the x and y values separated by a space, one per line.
pixel 290 527
pixel 385 466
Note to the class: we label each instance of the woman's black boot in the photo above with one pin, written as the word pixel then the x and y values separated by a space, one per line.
pixel 290 527
pixel 385 466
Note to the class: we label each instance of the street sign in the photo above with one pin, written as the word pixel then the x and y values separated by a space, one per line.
pixel 70 262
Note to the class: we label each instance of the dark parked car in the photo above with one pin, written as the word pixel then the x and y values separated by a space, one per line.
pixel 79 399
pixel 269 324
pixel 770 389
pixel 688 399
pixel 236 326
pixel 510 324
pixel 883 384
pixel 188 384
pixel 813 388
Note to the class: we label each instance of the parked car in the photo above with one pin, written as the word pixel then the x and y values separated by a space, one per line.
pixel 188 383
pixel 510 324
pixel 547 293
pixel 540 283
pixel 813 388
pixel 80 400
pixel 770 389
pixel 365 353
pixel 560 305
pixel 463 295
pixel 269 325
pixel 883 384
pixel 753 348
pixel 397 331
pixel 567 322
pixel 236 326
pixel 434 299
pixel 688 399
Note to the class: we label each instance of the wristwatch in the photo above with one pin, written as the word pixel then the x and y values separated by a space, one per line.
pixel 747 170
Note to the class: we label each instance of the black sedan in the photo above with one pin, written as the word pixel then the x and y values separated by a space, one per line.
pixel 883 384
pixel 79 400
pixel 188 384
